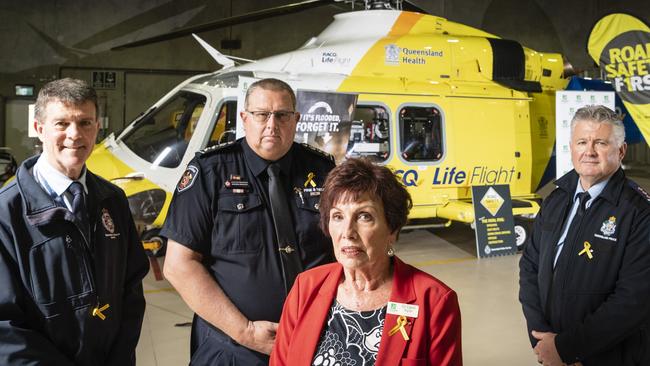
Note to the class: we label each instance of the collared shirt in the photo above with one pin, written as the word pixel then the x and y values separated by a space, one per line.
pixel 594 191
pixel 258 167
pixel 56 183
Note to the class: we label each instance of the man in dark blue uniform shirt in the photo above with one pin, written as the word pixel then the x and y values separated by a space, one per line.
pixel 585 276
pixel 71 262
pixel 243 222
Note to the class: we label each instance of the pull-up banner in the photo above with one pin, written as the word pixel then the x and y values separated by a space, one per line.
pixel 620 44
pixel 493 224
pixel 325 120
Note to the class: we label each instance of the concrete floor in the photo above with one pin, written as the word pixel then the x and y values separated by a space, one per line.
pixel 494 331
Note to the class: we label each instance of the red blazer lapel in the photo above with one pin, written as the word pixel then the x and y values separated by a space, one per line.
pixel 310 326
pixel 391 348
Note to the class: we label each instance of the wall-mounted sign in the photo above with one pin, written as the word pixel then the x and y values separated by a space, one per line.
pixel 103 79
pixel 23 90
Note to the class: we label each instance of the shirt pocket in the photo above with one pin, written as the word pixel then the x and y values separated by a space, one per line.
pixel 598 274
pixel 240 224
pixel 307 226
pixel 60 275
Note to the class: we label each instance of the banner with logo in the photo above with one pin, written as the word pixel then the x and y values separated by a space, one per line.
pixel 493 221
pixel 325 120
pixel 620 45
pixel 566 104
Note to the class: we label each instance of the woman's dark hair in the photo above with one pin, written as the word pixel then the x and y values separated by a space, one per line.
pixel 356 177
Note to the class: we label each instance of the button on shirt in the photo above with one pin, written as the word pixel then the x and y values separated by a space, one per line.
pixel 594 192
pixel 56 183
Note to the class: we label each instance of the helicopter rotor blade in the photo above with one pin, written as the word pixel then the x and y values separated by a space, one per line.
pixel 226 22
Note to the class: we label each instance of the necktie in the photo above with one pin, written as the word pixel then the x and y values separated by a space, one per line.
pixel 574 225
pixel 284 230
pixel 583 197
pixel 571 234
pixel 558 269
pixel 79 207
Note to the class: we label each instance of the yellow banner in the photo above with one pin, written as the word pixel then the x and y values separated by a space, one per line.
pixel 620 44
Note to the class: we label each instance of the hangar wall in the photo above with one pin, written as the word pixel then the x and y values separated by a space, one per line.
pixel 41 41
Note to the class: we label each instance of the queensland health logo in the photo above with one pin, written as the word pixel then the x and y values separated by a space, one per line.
pixel 395 55
pixel 392 54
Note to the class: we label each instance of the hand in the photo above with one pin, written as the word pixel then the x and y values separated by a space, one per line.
pixel 259 336
pixel 545 349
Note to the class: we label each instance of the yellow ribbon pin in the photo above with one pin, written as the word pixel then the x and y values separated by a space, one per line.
pixel 310 180
pixel 97 311
pixel 587 250
pixel 401 322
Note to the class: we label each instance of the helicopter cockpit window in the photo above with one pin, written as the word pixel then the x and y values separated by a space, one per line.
pixel 421 134
pixel 225 127
pixel 369 133
pixel 161 137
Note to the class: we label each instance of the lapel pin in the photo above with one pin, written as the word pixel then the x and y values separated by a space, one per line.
pixel 587 250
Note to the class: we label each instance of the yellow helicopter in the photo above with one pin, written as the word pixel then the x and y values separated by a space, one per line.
pixel 446 106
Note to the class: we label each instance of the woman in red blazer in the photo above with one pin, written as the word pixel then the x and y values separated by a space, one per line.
pixel 370 307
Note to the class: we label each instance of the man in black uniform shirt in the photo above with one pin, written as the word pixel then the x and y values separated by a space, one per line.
pixel 585 276
pixel 224 255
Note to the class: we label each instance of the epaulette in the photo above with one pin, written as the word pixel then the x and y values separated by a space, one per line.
pixel 318 151
pixel 642 192
pixel 214 148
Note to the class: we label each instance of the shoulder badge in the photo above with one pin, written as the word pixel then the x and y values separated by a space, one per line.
pixel 214 148
pixel 188 178
pixel 642 192
pixel 318 151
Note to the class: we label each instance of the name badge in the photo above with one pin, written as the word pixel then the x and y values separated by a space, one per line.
pixel 408 310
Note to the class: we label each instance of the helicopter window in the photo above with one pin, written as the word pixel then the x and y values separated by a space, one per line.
pixel 369 133
pixel 225 128
pixel 161 137
pixel 421 133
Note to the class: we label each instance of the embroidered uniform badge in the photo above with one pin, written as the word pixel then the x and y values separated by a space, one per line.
pixel 107 221
pixel 187 179
pixel 109 224
pixel 609 226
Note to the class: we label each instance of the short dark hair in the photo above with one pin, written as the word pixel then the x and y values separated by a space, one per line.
pixel 66 90
pixel 271 84
pixel 355 177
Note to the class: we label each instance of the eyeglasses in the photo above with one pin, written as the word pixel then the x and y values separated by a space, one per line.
pixel 263 116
